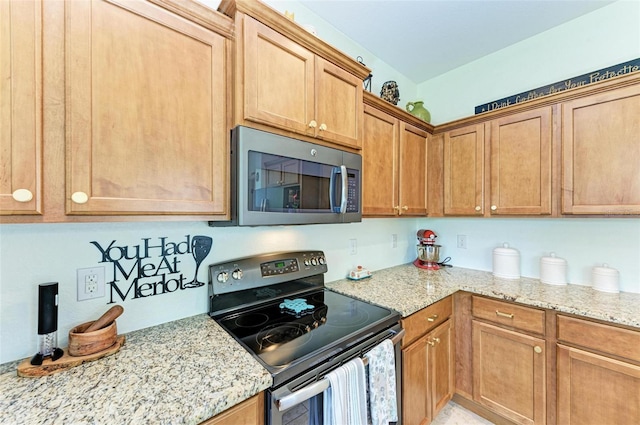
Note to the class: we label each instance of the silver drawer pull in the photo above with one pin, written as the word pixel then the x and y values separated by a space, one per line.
pixel 501 314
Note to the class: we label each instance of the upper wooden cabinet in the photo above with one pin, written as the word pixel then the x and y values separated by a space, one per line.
pixel 291 81
pixel 146 112
pixel 394 157
pixel 515 171
pixel 520 148
pixel 601 153
pixel 464 171
pixel 20 107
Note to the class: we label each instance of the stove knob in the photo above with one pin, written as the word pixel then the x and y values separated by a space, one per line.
pixel 321 261
pixel 306 262
pixel 237 274
pixel 314 262
pixel 323 320
pixel 223 277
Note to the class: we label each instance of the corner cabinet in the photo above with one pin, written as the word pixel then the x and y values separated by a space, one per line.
pixel 291 81
pixel 427 363
pixel 601 153
pixel 20 107
pixel 394 157
pixel 146 127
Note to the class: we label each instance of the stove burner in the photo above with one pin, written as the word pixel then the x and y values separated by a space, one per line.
pixel 297 307
pixel 251 320
pixel 349 317
pixel 272 336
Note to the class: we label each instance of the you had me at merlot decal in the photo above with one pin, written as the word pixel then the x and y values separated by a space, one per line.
pixel 152 267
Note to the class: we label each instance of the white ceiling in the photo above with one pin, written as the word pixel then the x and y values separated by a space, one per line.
pixel 425 38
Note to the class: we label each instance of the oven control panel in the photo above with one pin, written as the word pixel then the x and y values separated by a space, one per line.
pixel 263 270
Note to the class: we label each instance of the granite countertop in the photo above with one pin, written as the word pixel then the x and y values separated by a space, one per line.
pixel 184 371
pixel 189 370
pixel 408 289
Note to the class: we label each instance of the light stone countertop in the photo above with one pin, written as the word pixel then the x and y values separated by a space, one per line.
pixel 179 372
pixel 408 289
pixel 189 370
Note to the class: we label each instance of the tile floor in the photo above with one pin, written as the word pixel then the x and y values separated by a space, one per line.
pixel 454 414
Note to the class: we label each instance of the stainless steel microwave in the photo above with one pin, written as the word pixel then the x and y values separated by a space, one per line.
pixel 279 180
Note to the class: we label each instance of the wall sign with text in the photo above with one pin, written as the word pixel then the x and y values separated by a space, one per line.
pixel 571 83
pixel 153 266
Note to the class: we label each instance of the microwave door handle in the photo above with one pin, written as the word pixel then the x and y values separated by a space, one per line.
pixel 342 170
pixel 332 188
pixel 345 193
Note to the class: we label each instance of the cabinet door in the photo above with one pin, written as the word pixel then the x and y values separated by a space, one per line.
pixel 601 153
pixel 249 412
pixel 416 408
pixel 379 163
pixel 441 366
pixel 278 79
pixel 464 171
pixel 509 373
pixel 146 112
pixel 594 390
pixel 338 104
pixel 413 171
pixel 521 163
pixel 20 107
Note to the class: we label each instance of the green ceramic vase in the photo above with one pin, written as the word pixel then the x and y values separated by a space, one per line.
pixel 416 108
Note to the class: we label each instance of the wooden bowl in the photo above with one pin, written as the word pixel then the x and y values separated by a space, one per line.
pixel 83 344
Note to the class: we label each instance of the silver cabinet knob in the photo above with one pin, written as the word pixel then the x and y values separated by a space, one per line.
pixel 313 124
pixel 80 197
pixel 493 208
pixel 323 127
pixel 22 195
pixel 478 208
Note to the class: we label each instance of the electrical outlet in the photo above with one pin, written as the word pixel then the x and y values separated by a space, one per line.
pixel 394 240
pixel 462 241
pixel 90 283
pixel 353 246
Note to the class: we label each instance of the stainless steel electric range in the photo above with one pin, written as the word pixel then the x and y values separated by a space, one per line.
pixel 277 307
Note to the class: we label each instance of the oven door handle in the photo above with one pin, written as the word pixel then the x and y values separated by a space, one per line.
pixel 317 387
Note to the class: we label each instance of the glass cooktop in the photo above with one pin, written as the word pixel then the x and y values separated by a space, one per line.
pixel 289 329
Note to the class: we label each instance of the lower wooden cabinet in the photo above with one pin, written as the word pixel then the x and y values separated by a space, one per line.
pixel 509 373
pixel 598 373
pixel 249 412
pixel 595 390
pixel 428 364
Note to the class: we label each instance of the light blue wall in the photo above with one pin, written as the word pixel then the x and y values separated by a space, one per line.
pixel 34 254
pixel 605 37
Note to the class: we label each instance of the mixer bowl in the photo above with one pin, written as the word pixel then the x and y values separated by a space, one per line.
pixel 429 253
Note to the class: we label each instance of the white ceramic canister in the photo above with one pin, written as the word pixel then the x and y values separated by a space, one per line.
pixel 506 262
pixel 605 279
pixel 553 270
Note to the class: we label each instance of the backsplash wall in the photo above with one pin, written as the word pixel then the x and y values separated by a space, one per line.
pixel 40 253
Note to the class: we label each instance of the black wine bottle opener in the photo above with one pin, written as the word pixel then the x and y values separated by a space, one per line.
pixel 47 324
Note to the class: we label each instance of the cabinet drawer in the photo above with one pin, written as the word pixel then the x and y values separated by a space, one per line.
pixel 511 315
pixel 426 319
pixel 600 337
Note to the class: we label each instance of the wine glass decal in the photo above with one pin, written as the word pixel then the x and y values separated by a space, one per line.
pixel 200 248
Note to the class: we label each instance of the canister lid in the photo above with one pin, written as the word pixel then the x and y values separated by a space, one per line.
pixel 505 250
pixel 605 270
pixel 552 259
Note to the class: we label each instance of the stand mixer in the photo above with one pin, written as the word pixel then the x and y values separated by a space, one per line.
pixel 428 251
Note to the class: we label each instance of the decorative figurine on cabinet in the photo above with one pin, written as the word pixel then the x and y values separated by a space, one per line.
pixel 390 92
